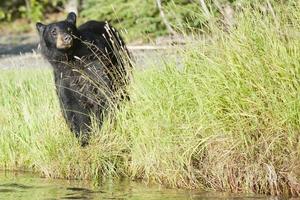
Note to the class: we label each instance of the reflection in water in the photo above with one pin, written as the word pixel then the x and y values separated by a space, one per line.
pixel 30 187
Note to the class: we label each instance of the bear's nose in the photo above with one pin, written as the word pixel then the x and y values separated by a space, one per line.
pixel 67 39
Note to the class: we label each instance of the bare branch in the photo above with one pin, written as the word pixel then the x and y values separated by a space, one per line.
pixel 165 20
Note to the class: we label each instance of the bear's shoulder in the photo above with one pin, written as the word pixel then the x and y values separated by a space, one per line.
pixel 94 30
pixel 93 25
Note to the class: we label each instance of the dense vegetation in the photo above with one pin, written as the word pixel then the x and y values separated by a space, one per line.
pixel 142 17
pixel 228 119
pixel 139 18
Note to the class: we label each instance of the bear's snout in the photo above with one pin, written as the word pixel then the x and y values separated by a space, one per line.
pixel 64 41
pixel 67 38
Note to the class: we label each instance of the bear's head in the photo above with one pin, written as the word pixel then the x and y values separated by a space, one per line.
pixel 59 35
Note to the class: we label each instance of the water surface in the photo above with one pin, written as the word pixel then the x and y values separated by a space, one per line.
pixel 26 186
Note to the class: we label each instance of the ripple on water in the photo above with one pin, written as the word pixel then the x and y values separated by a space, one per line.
pixel 26 186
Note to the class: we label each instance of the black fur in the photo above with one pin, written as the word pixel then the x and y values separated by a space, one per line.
pixel 88 73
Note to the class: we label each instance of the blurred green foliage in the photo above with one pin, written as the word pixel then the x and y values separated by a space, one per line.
pixel 137 16
pixel 140 18
pixel 32 10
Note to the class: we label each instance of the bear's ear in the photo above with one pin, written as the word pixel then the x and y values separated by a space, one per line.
pixel 71 18
pixel 40 27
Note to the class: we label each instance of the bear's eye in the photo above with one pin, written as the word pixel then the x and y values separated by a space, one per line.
pixel 54 32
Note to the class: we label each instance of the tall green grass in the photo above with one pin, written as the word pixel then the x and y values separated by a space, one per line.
pixel 226 119
pixel 34 136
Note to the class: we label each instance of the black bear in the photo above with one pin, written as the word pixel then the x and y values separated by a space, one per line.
pixel 90 69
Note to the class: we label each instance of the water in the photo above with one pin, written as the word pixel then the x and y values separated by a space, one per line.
pixel 26 186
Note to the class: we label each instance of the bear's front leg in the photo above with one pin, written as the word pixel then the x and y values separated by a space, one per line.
pixel 76 116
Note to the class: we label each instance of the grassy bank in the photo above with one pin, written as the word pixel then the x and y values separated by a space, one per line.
pixel 227 120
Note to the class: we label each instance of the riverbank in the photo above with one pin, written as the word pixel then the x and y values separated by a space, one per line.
pixel 227 120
